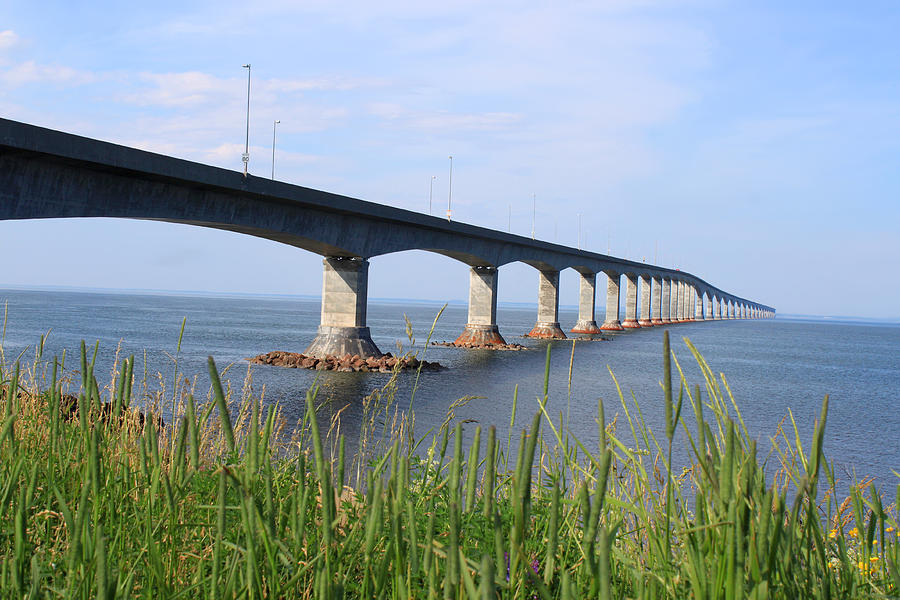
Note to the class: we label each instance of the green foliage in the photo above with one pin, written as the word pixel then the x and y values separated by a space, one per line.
pixel 212 506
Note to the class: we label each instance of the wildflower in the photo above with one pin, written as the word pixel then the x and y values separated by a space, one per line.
pixel 853 532
pixel 889 529
pixel 832 534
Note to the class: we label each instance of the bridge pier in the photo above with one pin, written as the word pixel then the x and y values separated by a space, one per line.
pixel 666 305
pixel 656 301
pixel 547 325
pixel 688 306
pixel 586 305
pixel 645 320
pixel 611 322
pixel 631 300
pixel 679 301
pixel 481 324
pixel 692 303
pixel 342 328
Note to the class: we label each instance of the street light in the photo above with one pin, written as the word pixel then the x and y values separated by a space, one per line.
pixel 246 157
pixel 274 123
pixel 579 231
pixel 533 211
pixel 431 192
pixel 450 188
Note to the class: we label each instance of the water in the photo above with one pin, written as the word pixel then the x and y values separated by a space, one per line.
pixel 772 366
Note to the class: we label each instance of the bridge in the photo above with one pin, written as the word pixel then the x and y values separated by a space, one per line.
pixel 51 174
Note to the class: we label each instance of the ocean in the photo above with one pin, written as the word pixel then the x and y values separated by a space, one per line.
pixel 774 368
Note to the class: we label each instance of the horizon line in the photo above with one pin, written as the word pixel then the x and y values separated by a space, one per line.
pixel 386 300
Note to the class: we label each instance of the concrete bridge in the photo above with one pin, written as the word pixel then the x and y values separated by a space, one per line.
pixel 49 174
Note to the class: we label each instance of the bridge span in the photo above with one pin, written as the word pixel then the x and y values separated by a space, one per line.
pixel 51 174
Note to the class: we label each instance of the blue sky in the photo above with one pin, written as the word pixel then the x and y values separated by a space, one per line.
pixel 754 144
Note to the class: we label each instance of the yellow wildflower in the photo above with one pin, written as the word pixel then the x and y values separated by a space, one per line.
pixel 853 532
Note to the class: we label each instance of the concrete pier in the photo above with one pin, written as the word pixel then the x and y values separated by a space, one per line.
pixel 694 300
pixel 631 301
pixel 547 325
pixel 679 301
pixel 688 304
pixel 342 328
pixel 611 323
pixel 646 284
pixel 666 305
pixel 587 305
pixel 656 301
pixel 481 324
pixel 701 307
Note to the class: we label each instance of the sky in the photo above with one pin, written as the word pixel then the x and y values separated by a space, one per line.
pixel 753 144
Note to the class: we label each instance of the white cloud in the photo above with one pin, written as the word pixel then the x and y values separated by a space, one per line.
pixel 8 39
pixel 31 72
pixel 186 89
pixel 334 83
pixel 436 121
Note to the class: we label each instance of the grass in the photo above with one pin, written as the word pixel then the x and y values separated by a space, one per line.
pixel 224 503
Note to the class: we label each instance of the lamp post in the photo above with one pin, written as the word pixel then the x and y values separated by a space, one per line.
pixel 246 157
pixel 450 188
pixel 431 192
pixel 579 231
pixel 274 123
pixel 533 211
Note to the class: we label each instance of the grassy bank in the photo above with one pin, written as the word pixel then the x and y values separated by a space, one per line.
pixel 223 502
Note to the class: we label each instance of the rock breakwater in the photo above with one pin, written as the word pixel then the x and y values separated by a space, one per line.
pixel 477 346
pixel 346 363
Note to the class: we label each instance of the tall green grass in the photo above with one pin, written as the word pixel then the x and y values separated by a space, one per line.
pixel 214 505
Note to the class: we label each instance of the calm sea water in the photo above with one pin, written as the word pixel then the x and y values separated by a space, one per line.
pixel 772 366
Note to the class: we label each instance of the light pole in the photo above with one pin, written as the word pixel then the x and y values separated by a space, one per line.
pixel 579 231
pixel 274 123
pixel 246 157
pixel 431 192
pixel 533 211
pixel 450 188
